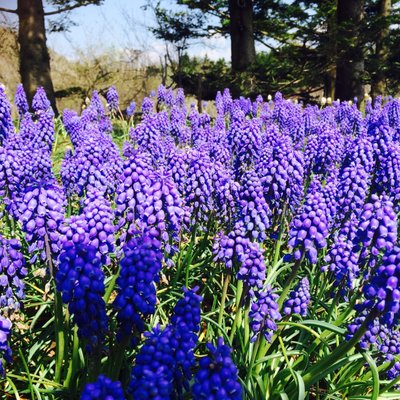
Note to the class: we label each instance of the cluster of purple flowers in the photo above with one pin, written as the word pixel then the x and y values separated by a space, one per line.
pixel 12 273
pixel 260 173
pixel 80 280
pixel 5 350
pixel 103 389
pixel 41 214
pixel 217 377
pixel 171 353
pixel 264 313
pixel 136 297
pixel 309 228
pixel 299 299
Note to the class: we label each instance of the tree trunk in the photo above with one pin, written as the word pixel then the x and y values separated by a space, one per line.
pixel 350 58
pixel 34 55
pixel 329 9
pixel 378 84
pixel 243 52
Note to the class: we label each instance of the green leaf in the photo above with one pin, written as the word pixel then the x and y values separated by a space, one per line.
pixel 375 375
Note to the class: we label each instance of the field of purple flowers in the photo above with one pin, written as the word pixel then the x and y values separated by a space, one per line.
pixel 250 254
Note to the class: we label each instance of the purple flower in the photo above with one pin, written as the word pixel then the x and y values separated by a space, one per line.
pixel 309 228
pixel 5 350
pixel 244 137
pixel 226 194
pixel 299 299
pixel 40 102
pixel 178 164
pixel 45 130
pixel 80 279
pixel 131 109
pixel 21 101
pixel 130 192
pixel 73 125
pixel 97 163
pixel 154 379
pixel 41 214
pixel 186 322
pixel 6 125
pixel 323 151
pixel 199 188
pixel 353 189
pixel 12 273
pixel 387 176
pixel 103 389
pixel 217 377
pixel 281 169
pixel 253 208
pixel 377 229
pixel 162 212
pixel 147 106
pixel 112 99
pixel 136 298
pixel 342 259
pixel 93 226
pixel 264 313
pixel 251 265
pixel 382 293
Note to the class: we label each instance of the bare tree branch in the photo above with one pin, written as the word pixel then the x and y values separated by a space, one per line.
pixel 8 10
pixel 67 8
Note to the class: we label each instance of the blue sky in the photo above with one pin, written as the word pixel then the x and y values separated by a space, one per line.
pixel 120 24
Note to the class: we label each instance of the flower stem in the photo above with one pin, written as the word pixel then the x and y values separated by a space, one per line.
pixel 223 298
pixel 238 315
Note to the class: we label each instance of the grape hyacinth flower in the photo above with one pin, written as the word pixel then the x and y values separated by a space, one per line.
pixel 226 194
pixel 103 389
pixel 6 125
pixel 130 192
pixel 147 106
pixel 281 173
pixel 299 299
pixel 217 377
pixel 309 228
pixel 237 251
pixel 99 216
pixel 229 248
pixel 131 109
pixel 328 151
pixel 112 99
pixel 98 164
pixel 353 187
pixel 186 322
pixel 264 312
pixel 41 214
pixel 40 102
pixel 154 380
pixel 199 188
pixel 382 293
pixel 387 176
pixel 45 130
pixel 80 280
pixel 377 229
pixel 12 273
pixel 73 125
pixel 178 164
pixel 162 214
pixel 253 208
pixel 136 298
pixel 342 259
pixel 21 101
pixel 251 265
pixel 5 350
